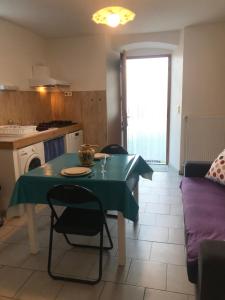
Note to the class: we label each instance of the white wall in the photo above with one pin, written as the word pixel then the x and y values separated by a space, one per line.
pixel 175 105
pixel 203 72
pixel 19 50
pixel 80 61
pixel 148 52
pixel 150 40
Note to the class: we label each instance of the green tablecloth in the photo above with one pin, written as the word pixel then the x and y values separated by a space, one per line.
pixel 113 189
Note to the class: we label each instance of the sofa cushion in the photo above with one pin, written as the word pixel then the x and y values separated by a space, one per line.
pixel 217 169
pixel 204 214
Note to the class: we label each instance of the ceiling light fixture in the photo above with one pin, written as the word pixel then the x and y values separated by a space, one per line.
pixel 113 16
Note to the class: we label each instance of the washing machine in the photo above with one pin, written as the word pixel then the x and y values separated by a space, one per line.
pixel 15 163
pixel 31 157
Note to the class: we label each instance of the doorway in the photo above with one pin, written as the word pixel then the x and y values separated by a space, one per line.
pixel 147 107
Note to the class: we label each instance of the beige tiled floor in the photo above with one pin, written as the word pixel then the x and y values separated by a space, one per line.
pixel 147 274
pixel 155 267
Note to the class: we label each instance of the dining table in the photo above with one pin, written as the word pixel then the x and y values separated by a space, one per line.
pixel 115 184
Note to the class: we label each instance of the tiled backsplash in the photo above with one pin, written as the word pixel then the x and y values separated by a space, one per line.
pixel 87 108
pixel 24 107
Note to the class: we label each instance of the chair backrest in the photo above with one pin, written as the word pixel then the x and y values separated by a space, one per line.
pixel 69 195
pixel 114 149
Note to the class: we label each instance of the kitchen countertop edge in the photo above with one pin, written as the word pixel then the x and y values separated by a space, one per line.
pixel 31 139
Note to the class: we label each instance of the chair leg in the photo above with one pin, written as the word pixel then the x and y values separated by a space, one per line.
pixel 50 251
pixel 100 256
pixel 57 277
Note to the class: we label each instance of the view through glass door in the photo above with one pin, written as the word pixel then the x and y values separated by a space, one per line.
pixel 147 107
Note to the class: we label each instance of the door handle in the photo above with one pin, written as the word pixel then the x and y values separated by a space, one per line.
pixel 123 124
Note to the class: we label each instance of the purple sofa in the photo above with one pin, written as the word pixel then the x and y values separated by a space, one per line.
pixel 204 219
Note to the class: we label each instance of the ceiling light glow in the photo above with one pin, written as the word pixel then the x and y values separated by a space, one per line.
pixel 113 20
pixel 113 16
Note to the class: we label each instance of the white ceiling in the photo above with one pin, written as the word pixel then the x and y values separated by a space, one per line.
pixel 66 18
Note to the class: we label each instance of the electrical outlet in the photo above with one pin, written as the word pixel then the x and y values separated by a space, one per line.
pixel 67 94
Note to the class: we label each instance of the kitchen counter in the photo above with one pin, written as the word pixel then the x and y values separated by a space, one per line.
pixel 17 142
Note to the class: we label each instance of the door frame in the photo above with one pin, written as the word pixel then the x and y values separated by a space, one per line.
pixel 123 99
pixel 123 93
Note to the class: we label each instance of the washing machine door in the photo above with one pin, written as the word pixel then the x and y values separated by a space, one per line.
pixel 33 162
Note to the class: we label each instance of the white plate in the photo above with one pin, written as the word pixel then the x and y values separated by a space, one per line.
pixel 101 155
pixel 75 171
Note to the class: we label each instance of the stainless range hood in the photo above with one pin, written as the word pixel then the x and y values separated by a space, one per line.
pixel 48 82
pixel 8 87
pixel 41 77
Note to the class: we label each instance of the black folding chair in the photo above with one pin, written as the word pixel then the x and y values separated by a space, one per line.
pixel 76 220
pixel 114 149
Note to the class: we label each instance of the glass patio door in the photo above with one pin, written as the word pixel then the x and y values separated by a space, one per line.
pixel 147 107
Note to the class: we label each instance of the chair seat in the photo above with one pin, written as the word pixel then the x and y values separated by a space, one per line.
pixel 79 221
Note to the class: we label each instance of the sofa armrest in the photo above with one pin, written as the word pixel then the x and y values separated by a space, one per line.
pixel 211 270
pixel 196 168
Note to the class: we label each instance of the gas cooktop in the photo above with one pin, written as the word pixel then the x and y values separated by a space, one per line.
pixel 54 124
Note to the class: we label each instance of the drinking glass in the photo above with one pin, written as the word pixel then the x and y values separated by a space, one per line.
pixel 103 165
